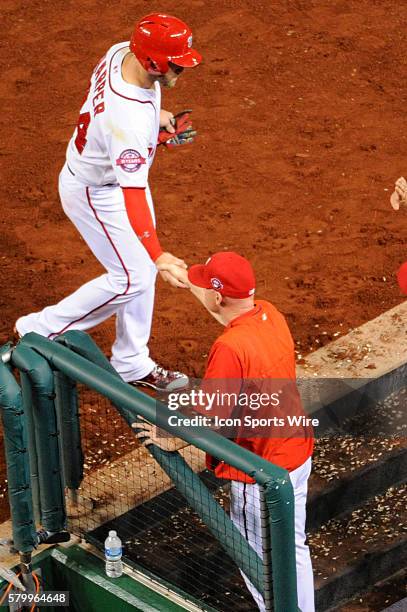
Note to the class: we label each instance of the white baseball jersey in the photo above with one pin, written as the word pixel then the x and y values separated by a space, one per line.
pixel 116 135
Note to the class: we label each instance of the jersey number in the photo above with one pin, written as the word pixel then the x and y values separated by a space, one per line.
pixel 82 127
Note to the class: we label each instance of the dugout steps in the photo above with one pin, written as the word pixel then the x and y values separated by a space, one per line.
pixel 178 564
pixel 325 502
pixel 381 596
pixel 362 548
pixel 148 527
pixel 372 568
pixel 351 492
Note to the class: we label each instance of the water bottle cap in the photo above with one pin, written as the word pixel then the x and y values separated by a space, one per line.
pixel 112 534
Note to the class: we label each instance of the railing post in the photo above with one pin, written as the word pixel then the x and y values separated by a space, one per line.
pixel 53 516
pixel 67 409
pixel 18 471
pixel 279 499
pixel 32 448
pixel 266 549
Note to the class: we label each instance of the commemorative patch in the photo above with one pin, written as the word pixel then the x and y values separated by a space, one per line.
pixel 130 160
pixel 216 283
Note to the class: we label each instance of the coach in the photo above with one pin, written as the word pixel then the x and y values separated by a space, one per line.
pixel 255 346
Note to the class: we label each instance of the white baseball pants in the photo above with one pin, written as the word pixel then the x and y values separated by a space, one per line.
pixel 126 289
pixel 245 513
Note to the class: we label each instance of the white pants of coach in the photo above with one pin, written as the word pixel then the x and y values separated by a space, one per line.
pixel 126 289
pixel 245 513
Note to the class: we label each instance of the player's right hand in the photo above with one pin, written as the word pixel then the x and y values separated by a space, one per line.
pixel 167 259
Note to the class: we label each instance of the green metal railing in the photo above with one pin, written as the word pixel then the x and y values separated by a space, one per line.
pixel 18 468
pixel 53 421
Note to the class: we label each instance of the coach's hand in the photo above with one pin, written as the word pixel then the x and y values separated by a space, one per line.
pixel 151 434
pixel 172 278
pixel 176 276
pixel 172 270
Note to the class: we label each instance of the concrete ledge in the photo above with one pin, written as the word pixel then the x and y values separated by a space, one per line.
pixel 369 352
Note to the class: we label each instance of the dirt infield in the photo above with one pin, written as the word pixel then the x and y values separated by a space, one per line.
pixel 300 108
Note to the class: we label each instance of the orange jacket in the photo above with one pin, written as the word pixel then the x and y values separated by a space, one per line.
pixel 255 353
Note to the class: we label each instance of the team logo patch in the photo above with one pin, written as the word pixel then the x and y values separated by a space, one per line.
pixel 130 160
pixel 216 284
pixel 190 42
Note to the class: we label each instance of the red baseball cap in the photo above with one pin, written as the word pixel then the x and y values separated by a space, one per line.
pixel 227 272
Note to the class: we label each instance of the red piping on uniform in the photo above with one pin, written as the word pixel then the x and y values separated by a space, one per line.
pixel 121 261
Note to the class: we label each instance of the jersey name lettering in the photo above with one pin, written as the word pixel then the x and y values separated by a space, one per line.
pixel 100 82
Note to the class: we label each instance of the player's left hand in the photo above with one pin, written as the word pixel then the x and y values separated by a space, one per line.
pixel 182 130
pixel 167 121
pixel 151 434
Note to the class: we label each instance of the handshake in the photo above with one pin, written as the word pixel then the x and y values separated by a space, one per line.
pixel 173 270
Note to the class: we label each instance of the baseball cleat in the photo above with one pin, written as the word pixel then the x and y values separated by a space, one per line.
pixel 161 379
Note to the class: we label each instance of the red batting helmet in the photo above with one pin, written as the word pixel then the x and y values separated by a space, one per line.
pixel 158 39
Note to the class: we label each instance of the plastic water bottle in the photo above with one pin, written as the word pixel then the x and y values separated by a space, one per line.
pixel 113 555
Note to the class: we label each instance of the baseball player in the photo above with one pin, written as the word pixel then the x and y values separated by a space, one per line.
pixel 397 199
pixel 256 345
pixel 104 191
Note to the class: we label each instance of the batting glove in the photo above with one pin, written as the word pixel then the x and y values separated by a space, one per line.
pixel 184 132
